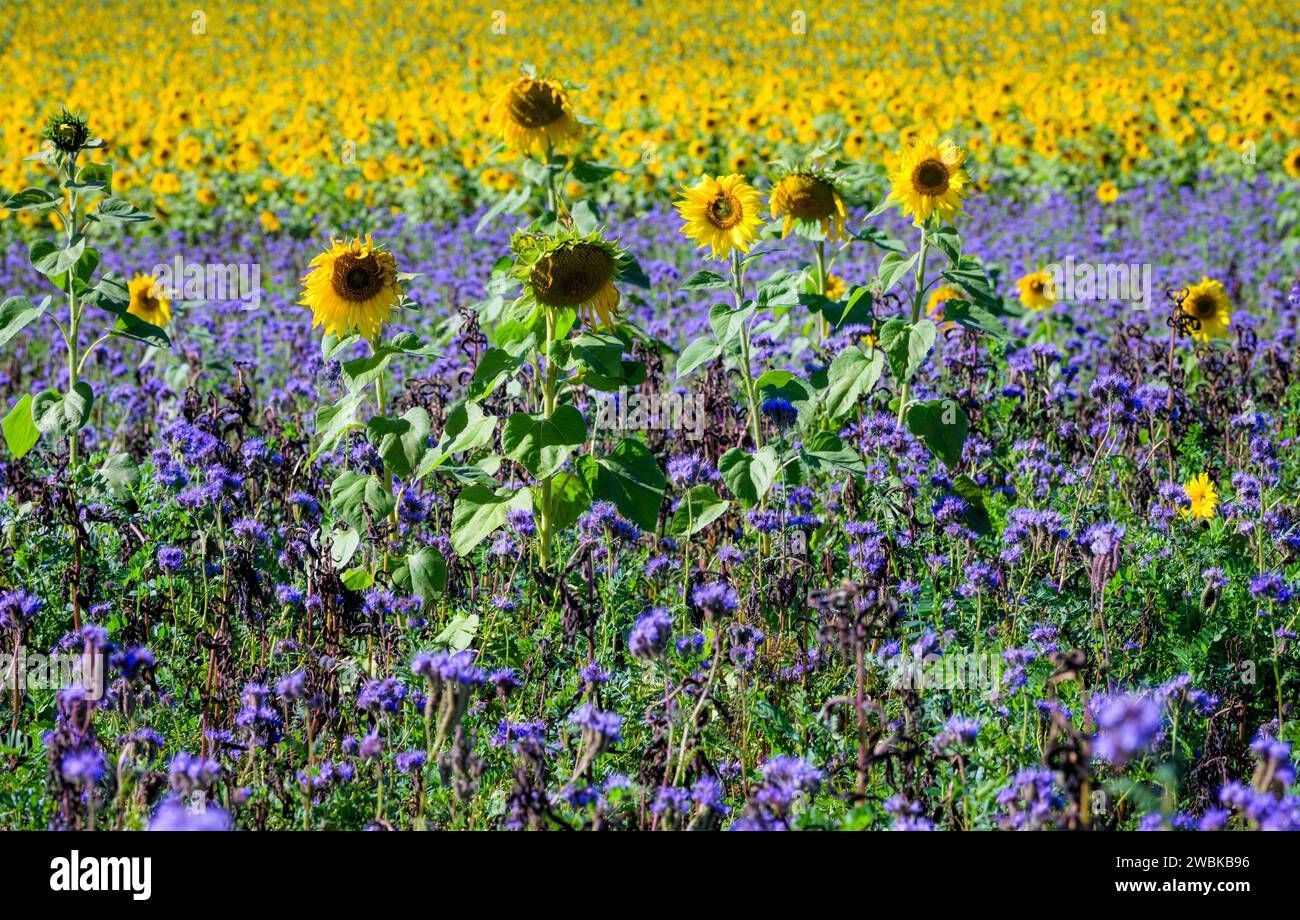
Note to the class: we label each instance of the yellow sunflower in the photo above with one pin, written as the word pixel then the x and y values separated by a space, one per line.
pixel 579 274
pixel 534 115
pixel 148 301
pixel 1037 290
pixel 1208 304
pixel 1107 192
pixel 1204 500
pixel 1292 163
pixel 721 213
pixel 352 287
pixel 928 178
pixel 938 297
pixel 809 199
pixel 836 287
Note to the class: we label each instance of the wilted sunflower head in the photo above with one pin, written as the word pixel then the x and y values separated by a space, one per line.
pixel 352 287
pixel 928 178
pixel 1207 303
pixel 721 213
pixel 811 199
pixel 67 132
pixel 533 115
pixel 571 272
pixel 148 301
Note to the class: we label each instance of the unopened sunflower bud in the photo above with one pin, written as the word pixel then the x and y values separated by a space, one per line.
pixel 67 132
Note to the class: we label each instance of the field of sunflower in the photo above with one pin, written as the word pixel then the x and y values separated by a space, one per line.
pixel 287 113
pixel 426 417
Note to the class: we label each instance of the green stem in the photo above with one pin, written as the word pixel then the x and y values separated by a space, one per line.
pixel 379 386
pixel 823 325
pixel 751 392
pixel 686 548
pixel 549 380
pixel 74 321
pixel 916 317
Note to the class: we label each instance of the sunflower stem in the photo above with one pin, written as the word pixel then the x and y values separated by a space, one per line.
pixel 916 317
pixel 823 324
pixel 544 528
pixel 379 385
pixel 74 363
pixel 751 392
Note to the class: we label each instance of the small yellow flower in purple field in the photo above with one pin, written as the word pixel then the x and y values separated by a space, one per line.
pixel 1204 499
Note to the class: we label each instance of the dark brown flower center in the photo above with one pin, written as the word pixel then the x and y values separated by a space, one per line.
pixel 357 278
pixel 1204 306
pixel 809 198
pixel 725 212
pixel 534 104
pixel 572 276
pixel 930 177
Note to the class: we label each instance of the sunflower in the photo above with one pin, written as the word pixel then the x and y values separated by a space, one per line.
pixel 534 115
pixel 1207 303
pixel 836 287
pixel 1107 192
pixel 352 287
pixel 809 199
pixel 927 178
pixel 148 301
pixel 938 297
pixel 721 213
pixel 1292 163
pixel 572 272
pixel 1200 492
pixel 67 132
pixel 1037 290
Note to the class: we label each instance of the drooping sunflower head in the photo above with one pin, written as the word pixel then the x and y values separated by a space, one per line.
pixel 533 115
pixel 927 178
pixel 1037 290
pixel 809 198
pixel 352 287
pixel 575 272
pixel 721 213
pixel 149 301
pixel 1208 305
pixel 1202 497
